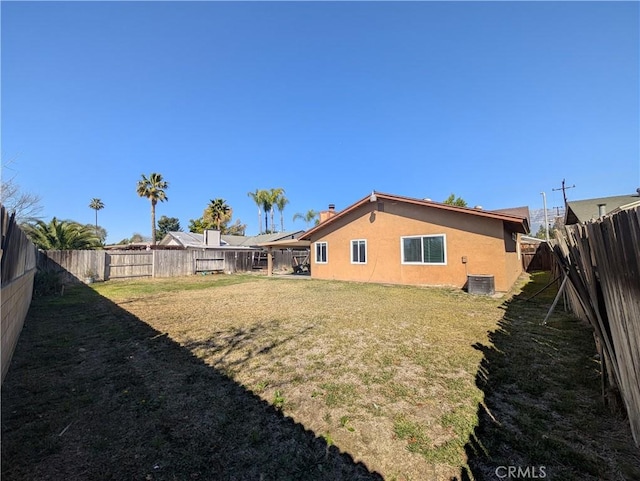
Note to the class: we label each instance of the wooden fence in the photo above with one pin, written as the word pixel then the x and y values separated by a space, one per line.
pixel 75 266
pixel 602 263
pixel 18 267
pixel 536 256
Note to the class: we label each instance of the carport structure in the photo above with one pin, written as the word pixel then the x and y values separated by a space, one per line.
pixel 294 244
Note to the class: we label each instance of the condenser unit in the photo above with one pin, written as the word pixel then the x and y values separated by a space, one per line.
pixel 481 284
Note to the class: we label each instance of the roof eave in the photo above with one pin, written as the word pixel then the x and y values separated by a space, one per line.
pixel 521 222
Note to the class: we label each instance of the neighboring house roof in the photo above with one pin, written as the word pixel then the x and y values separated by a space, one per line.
pixel 630 205
pixel 254 241
pixel 516 211
pixel 517 223
pixel 186 239
pixel 196 241
pixel 579 211
pixel 287 244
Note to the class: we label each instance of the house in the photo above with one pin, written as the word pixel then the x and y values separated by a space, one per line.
pixel 211 243
pixel 401 240
pixel 579 211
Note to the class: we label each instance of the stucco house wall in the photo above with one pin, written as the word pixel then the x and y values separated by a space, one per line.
pixel 513 257
pixel 486 245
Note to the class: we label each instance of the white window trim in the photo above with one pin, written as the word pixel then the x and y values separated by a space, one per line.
pixel 326 249
pixel 366 251
pixel 421 236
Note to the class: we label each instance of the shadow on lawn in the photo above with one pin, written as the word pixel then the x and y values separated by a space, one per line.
pixel 95 393
pixel 543 415
pixel 223 345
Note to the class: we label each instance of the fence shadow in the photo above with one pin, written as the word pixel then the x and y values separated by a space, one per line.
pixel 95 393
pixel 543 416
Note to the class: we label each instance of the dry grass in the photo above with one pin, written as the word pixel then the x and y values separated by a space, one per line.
pixel 368 367
pixel 214 378
pixel 543 404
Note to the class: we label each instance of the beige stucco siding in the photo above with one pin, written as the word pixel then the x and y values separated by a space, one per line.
pixel 513 262
pixel 481 240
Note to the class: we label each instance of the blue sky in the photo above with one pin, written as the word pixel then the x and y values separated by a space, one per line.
pixel 494 101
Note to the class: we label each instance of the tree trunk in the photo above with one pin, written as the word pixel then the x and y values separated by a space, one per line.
pixel 153 223
pixel 266 221
pixel 259 222
pixel 281 221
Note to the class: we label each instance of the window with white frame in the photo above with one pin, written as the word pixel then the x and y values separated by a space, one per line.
pixel 359 251
pixel 426 249
pixel 321 252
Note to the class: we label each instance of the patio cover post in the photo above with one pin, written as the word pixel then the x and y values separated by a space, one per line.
pixel 269 261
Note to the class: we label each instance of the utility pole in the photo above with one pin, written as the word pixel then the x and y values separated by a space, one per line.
pixel 546 219
pixel 564 192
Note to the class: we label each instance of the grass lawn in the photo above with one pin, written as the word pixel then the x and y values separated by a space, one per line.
pixel 248 377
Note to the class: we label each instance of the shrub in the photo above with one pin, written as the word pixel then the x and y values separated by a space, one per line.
pixel 47 283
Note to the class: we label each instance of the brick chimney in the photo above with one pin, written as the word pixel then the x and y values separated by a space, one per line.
pixel 328 214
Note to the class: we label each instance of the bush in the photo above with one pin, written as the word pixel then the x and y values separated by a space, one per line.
pixel 47 283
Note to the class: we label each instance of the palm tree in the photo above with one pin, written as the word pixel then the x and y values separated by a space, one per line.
pixel 264 200
pixel 281 202
pixel 308 218
pixel 61 235
pixel 257 198
pixel 153 188
pixel 272 196
pixel 217 212
pixel 96 204
pixel 267 204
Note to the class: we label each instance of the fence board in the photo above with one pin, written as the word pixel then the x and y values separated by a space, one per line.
pixel 602 260
pixel 129 264
pixel 209 265
pixel 172 263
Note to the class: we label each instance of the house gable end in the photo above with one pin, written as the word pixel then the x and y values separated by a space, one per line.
pixel 429 214
pixel 382 202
